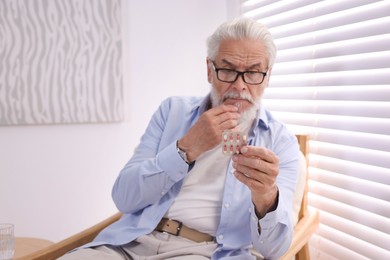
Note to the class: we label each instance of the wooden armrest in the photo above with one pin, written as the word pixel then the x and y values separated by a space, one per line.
pixel 58 249
pixel 304 229
pixel 27 245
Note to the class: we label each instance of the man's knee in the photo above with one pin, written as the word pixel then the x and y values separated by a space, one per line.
pixel 96 253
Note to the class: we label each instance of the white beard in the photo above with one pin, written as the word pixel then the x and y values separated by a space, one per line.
pixel 246 116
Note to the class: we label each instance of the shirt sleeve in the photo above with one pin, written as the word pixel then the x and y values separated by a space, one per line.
pixel 153 169
pixel 272 235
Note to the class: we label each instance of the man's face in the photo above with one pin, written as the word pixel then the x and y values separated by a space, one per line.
pixel 240 55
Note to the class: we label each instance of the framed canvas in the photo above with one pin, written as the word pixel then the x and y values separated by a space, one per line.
pixel 60 62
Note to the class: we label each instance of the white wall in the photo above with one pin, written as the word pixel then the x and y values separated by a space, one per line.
pixel 56 180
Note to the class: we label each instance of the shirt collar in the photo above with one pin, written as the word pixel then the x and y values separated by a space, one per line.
pixel 262 118
pixel 204 105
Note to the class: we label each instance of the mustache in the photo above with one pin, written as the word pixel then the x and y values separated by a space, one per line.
pixel 244 95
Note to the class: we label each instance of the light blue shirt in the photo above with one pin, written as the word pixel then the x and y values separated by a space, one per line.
pixel 150 181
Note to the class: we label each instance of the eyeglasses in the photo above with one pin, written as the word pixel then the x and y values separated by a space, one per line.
pixel 230 76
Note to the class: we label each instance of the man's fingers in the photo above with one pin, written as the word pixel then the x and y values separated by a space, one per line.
pixel 223 109
pixel 259 152
pixel 224 112
pixel 222 117
pixel 251 182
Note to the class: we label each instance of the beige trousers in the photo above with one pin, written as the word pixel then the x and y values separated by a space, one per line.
pixel 155 246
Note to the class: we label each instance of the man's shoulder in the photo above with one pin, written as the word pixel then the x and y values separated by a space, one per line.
pixel 271 118
pixel 279 128
pixel 183 101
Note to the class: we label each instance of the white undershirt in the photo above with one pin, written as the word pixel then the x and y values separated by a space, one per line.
pixel 198 204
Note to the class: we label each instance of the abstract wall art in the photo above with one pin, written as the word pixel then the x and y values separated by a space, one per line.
pixel 60 62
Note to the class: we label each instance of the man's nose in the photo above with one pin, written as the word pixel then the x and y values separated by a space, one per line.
pixel 240 84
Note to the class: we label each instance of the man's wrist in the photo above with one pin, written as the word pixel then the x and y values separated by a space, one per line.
pixel 182 153
pixel 273 206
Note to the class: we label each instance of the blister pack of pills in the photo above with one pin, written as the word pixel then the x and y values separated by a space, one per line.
pixel 232 141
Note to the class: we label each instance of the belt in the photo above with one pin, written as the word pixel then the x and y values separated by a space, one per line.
pixel 177 228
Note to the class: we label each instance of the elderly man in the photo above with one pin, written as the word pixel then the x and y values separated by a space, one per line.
pixel 212 177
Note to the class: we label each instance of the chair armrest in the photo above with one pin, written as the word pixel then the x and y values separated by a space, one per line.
pixel 304 229
pixel 58 249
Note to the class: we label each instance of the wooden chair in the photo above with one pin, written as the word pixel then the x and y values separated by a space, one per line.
pixel 308 221
pixel 56 250
pixel 307 224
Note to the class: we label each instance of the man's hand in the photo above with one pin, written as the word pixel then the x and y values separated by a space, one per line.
pixel 258 167
pixel 206 133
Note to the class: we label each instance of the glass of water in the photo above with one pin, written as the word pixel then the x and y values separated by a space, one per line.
pixel 6 241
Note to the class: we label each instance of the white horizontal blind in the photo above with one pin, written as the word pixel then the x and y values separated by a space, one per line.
pixel 332 80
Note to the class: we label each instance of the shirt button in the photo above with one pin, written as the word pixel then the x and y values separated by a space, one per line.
pixel 227 205
pixel 220 237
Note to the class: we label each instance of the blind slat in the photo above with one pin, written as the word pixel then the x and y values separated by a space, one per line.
pixel 343 108
pixel 295 11
pixel 366 203
pixel 360 30
pixel 358 170
pixel 347 93
pixel 376 60
pixel 266 8
pixel 369 188
pixel 353 154
pixel 354 244
pixel 356 77
pixel 350 138
pixel 356 230
pixel 328 249
pixel 347 123
pixel 350 213
pixel 376 43
pixel 330 19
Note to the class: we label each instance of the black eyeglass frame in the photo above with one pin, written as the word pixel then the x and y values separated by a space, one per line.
pixel 239 73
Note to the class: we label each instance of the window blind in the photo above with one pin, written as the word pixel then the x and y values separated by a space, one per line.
pixel 331 80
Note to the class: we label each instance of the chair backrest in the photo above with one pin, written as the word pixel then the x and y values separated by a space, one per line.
pixel 303 141
pixel 308 220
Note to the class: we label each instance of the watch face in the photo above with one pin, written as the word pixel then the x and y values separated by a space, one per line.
pixel 182 154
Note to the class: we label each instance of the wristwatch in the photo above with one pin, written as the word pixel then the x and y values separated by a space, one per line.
pixel 182 153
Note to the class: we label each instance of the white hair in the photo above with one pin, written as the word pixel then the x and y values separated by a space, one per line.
pixel 241 28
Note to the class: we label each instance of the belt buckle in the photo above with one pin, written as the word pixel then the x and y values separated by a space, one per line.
pixel 178 228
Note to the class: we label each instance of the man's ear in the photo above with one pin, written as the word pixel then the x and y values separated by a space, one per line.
pixel 208 70
pixel 268 76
